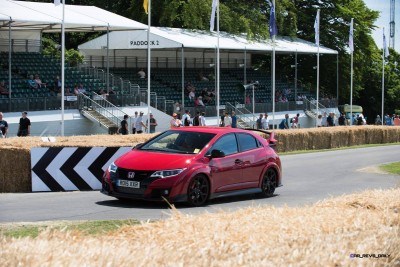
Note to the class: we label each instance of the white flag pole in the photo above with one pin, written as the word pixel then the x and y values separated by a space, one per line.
pixel 148 65
pixel 218 65
pixel 273 71
pixel 62 67
pixel 351 72
pixel 383 74
pixel 317 40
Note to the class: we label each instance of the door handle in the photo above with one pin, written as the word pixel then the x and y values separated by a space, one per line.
pixel 238 161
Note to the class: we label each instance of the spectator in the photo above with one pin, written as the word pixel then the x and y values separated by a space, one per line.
pixel 388 120
pixel 396 121
pixel 153 124
pixel 203 119
pixel 324 120
pixel 24 128
pixel 222 124
pixel 248 101
pixel 39 82
pixel 199 102
pixel 139 123
pixel 329 120
pixel 141 74
pixel 186 118
pixel 284 123
pixel 3 127
pixel 378 120
pixel 342 120
pixel 359 119
pixel 319 120
pixel 234 120
pixel 265 122
pixel 134 122
pixel 177 107
pixel 192 95
pixel 124 126
pixel 57 85
pixel 227 120
pixel 3 89
pixel 175 122
pixel 196 119
pixel 80 90
pixel 31 83
pixel 295 121
pixel 259 122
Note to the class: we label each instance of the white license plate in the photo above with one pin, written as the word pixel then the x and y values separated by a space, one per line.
pixel 131 184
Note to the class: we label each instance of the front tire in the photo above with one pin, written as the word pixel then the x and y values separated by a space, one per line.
pixel 269 183
pixel 198 191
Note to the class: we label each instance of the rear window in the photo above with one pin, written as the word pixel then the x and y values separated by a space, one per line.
pixel 247 142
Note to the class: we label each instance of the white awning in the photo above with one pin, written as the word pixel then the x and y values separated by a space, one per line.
pixel 47 17
pixel 165 38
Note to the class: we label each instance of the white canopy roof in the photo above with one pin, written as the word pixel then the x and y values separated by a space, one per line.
pixel 164 38
pixel 47 17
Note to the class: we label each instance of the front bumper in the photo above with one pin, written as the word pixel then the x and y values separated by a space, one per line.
pixel 151 188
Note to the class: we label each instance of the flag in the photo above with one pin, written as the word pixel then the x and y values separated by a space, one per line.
pixel 316 27
pixel 351 43
pixel 385 47
pixel 57 2
pixel 273 29
pixel 146 6
pixel 213 11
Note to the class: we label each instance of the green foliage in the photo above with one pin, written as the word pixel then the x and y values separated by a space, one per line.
pixel 51 48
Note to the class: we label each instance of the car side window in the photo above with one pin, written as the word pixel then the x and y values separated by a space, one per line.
pixel 247 142
pixel 226 144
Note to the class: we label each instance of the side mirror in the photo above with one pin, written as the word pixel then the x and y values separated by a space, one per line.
pixel 271 140
pixel 216 153
pixel 138 145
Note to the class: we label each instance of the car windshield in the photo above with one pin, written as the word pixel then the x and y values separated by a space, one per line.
pixel 179 142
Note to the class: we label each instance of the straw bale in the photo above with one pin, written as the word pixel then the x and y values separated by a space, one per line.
pixel 15 170
pixel 325 234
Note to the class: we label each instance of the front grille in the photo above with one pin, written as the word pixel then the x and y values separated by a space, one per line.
pixel 139 175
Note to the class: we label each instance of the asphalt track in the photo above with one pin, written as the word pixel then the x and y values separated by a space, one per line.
pixel 307 178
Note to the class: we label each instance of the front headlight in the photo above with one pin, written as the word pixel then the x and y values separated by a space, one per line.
pixel 167 173
pixel 112 168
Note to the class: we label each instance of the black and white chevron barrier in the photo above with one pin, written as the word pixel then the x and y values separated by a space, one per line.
pixel 71 168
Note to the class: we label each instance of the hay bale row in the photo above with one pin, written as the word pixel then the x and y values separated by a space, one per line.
pixel 327 138
pixel 327 233
pixel 15 152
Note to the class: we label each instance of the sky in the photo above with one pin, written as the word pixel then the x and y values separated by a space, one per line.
pixel 383 6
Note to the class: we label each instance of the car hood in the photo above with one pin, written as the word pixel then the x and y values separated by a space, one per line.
pixel 150 160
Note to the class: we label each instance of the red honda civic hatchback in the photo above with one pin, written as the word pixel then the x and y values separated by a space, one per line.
pixel 195 164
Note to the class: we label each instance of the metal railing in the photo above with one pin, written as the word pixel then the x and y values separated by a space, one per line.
pixel 311 107
pixel 244 115
pixel 102 107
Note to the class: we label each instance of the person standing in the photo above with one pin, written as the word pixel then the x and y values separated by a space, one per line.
pixel 259 122
pixel 153 123
pixel 134 122
pixel 284 123
pixel 265 122
pixel 124 126
pixel 175 122
pixel 139 124
pixel 3 126
pixel 24 128
pixel 234 120
pixel 342 120
pixel 196 119
pixel 221 124
pixel 186 118
pixel 203 119
pixel 227 120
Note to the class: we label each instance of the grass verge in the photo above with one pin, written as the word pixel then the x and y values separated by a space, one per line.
pixel 86 227
pixel 393 168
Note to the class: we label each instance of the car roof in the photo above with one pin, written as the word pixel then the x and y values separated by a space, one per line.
pixel 210 129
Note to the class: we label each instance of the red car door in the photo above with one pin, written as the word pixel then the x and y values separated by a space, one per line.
pixel 226 172
pixel 253 156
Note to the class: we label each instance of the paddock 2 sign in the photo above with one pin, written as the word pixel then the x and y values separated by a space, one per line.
pixel 144 43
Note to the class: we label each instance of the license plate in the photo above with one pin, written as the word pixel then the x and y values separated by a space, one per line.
pixel 131 184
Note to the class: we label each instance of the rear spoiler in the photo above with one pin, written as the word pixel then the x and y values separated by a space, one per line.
pixel 271 140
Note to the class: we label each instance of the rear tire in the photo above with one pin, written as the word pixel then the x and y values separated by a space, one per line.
pixel 269 183
pixel 198 191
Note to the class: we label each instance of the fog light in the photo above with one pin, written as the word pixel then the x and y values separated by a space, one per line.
pixel 166 192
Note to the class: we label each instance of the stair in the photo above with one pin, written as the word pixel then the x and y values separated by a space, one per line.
pixel 102 120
